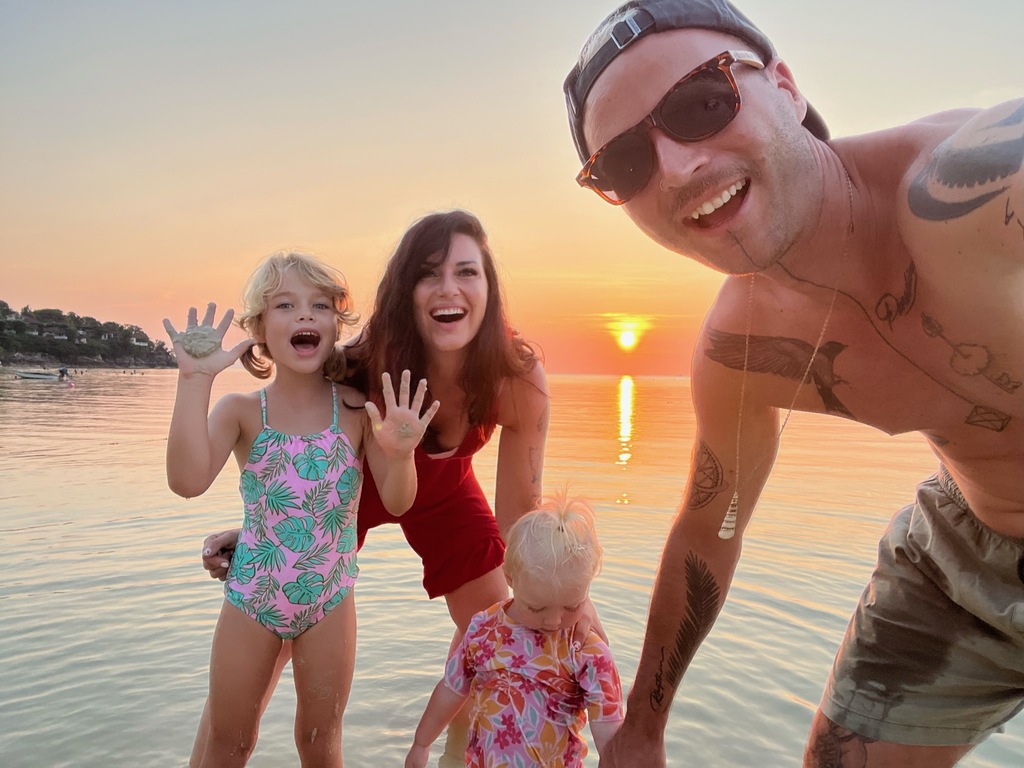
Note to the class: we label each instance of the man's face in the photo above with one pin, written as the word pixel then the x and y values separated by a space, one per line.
pixel 735 201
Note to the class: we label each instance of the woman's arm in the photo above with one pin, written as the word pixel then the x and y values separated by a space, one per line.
pixel 523 413
pixel 392 440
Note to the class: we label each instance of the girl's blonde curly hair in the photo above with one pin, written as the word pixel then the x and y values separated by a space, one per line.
pixel 265 280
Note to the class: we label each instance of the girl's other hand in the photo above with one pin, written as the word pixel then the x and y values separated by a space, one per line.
pixel 198 348
pixel 401 429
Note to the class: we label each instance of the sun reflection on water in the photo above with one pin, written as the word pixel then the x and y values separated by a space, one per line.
pixel 625 427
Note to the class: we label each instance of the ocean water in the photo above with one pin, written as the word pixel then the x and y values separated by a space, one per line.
pixel 108 615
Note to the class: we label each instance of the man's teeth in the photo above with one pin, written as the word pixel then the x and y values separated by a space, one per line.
pixel 713 205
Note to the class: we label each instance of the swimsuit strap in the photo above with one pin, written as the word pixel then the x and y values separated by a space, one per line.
pixel 334 404
pixel 263 406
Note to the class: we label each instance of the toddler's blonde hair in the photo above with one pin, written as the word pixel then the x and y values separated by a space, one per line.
pixel 266 279
pixel 557 542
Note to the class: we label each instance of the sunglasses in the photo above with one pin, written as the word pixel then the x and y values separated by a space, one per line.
pixel 696 108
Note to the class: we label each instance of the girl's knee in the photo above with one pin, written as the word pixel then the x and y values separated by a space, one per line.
pixel 319 745
pixel 229 746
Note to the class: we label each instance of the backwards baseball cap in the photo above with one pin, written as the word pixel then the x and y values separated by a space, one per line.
pixel 639 18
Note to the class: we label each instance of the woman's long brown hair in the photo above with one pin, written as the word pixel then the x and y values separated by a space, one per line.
pixel 391 342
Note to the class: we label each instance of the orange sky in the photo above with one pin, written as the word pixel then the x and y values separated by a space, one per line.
pixel 152 153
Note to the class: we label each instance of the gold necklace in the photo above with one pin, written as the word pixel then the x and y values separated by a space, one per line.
pixel 728 529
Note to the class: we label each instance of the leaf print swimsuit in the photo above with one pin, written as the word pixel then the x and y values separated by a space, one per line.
pixel 296 555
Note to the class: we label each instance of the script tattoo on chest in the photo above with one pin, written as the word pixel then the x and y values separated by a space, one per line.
pixel 708 479
pixel 702 595
pixel 962 177
pixel 889 307
pixel 783 356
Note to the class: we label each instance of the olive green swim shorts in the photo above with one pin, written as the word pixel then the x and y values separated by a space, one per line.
pixel 934 653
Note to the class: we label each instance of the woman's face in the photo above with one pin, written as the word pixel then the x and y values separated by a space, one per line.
pixel 450 299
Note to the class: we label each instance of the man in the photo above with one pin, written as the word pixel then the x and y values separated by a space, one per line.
pixel 879 278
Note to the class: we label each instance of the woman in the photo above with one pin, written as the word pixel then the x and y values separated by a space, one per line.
pixel 440 313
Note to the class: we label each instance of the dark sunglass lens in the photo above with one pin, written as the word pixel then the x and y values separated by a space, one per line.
pixel 624 167
pixel 700 106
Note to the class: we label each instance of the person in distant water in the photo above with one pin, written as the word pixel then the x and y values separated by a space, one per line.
pixel 879 278
pixel 532 686
pixel 299 444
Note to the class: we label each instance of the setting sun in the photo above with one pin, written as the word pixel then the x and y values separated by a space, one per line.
pixel 627 330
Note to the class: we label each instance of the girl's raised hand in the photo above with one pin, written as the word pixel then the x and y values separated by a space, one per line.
pixel 401 429
pixel 198 348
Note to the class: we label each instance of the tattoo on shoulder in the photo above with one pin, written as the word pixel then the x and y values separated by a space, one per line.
pixel 969 169
pixel 702 595
pixel 708 478
pixel 889 307
pixel 783 356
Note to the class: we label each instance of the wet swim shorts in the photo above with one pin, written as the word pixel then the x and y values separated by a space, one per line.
pixel 934 654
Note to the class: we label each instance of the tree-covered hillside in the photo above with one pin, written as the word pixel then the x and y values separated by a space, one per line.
pixel 50 337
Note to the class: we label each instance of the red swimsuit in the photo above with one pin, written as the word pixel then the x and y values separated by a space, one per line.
pixel 450 524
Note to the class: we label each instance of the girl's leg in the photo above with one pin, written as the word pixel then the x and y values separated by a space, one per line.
pixel 203 732
pixel 323 658
pixel 243 668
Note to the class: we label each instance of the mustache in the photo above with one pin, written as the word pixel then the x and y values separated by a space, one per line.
pixel 686 198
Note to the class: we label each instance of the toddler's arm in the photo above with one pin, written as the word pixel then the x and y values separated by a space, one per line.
pixel 444 704
pixel 395 436
pixel 602 731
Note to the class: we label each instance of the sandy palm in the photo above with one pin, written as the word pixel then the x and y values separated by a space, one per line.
pixel 214 362
pixel 400 430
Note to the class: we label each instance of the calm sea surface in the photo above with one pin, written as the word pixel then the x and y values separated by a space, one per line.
pixel 108 615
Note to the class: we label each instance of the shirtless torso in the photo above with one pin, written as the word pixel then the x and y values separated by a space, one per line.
pixel 927 333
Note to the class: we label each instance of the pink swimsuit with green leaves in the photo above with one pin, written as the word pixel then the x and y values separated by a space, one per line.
pixel 296 554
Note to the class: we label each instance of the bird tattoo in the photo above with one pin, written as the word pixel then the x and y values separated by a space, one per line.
pixel 784 357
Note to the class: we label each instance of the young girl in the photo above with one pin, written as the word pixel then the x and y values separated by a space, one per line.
pixel 299 444
pixel 532 686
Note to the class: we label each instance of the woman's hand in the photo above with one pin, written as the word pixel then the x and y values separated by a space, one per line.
pixel 198 348
pixel 217 551
pixel 401 429
pixel 588 620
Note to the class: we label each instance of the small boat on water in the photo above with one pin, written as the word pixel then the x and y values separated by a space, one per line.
pixel 60 375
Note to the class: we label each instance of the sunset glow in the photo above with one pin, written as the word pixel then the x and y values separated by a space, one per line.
pixel 628 331
pixel 155 152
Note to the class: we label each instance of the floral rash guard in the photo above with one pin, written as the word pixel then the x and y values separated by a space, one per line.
pixel 531 691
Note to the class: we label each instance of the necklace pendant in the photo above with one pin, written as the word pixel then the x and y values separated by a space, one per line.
pixel 728 529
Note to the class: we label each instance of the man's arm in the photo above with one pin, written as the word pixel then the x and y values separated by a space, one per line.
pixel 697 565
